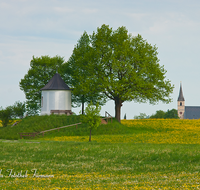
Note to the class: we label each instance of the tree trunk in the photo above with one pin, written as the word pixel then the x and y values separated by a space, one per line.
pixel 90 134
pixel 118 105
pixel 83 105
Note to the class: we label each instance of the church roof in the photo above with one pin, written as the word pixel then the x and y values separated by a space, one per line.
pixel 56 83
pixel 181 98
pixel 192 112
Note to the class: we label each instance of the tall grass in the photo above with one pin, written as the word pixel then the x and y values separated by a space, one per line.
pixel 94 165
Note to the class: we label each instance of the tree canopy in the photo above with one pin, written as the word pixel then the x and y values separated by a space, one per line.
pixel 170 114
pixel 122 67
pixel 42 70
pixel 76 69
pixel 141 116
pixel 19 108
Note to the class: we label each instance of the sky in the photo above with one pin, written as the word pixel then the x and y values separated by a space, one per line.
pixel 52 27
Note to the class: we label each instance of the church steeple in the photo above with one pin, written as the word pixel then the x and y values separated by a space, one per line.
pixel 181 98
pixel 181 104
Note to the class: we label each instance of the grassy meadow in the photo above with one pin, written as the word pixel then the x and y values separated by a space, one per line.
pixel 136 154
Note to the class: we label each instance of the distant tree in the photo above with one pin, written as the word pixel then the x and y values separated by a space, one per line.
pixel 173 113
pixel 141 116
pixel 19 109
pixel 42 70
pixel 6 115
pixel 122 67
pixel 158 114
pixel 10 112
pixel 125 116
pixel 169 114
pixel 92 117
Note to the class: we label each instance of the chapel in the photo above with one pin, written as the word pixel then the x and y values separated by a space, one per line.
pixel 187 112
pixel 56 97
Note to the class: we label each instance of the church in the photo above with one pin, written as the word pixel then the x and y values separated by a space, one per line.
pixel 187 112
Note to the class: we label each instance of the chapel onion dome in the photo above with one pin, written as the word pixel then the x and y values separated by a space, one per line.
pixel 181 98
pixel 56 83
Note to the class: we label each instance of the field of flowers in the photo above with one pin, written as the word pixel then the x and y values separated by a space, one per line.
pixel 89 181
pixel 156 131
pixel 154 154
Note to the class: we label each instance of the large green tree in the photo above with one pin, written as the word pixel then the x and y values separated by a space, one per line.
pixel 124 68
pixel 42 69
pixel 83 90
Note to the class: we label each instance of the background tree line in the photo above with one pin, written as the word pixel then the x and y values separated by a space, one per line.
pixel 169 114
pixel 12 112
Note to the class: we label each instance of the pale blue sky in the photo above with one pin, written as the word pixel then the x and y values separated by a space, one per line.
pixel 53 27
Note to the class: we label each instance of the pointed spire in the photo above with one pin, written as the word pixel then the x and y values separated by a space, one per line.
pixel 181 98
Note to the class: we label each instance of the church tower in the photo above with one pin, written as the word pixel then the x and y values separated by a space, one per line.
pixel 181 104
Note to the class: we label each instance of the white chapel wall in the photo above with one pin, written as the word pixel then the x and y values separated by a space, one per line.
pixel 55 100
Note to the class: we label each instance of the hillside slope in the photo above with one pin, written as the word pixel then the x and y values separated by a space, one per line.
pixel 41 123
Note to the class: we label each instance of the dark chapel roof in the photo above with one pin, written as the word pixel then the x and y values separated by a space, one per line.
pixel 56 83
pixel 192 112
pixel 181 98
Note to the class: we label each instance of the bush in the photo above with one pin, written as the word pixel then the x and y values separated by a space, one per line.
pixel 141 116
pixel 10 112
pixel 6 116
pixel 92 117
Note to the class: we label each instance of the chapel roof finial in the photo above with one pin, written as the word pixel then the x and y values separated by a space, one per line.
pixel 181 98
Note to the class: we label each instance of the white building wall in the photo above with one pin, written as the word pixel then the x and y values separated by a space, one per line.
pixel 55 100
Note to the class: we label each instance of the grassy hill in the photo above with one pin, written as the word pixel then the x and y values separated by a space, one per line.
pixel 136 131
pixel 41 123
pixel 37 124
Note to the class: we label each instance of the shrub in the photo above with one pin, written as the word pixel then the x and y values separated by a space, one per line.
pixel 6 116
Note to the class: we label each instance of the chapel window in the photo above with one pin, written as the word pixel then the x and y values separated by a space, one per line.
pixel 180 103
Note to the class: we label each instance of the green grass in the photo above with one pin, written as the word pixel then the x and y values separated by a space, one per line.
pixel 41 123
pixel 37 124
pixel 104 164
